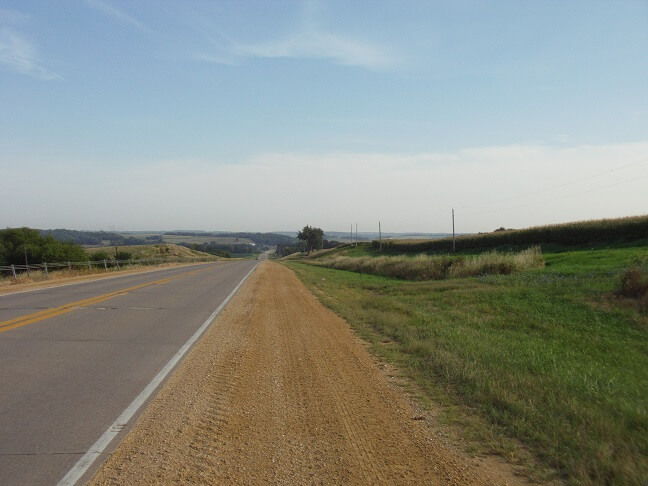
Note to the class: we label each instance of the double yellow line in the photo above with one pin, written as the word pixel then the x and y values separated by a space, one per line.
pixel 63 309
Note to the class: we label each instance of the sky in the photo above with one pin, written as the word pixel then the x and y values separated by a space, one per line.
pixel 267 116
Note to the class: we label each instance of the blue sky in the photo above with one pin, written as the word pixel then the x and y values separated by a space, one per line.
pixel 256 115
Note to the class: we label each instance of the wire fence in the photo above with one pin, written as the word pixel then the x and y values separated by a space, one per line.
pixel 14 271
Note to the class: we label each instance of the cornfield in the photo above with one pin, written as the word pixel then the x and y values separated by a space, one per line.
pixel 568 234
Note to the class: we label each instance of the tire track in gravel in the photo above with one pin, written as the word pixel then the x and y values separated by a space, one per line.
pixel 280 391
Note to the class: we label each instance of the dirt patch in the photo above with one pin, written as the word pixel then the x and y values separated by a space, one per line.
pixel 279 390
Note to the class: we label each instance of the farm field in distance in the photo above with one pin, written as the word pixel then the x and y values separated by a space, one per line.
pixel 548 360
pixel 191 239
pixel 221 240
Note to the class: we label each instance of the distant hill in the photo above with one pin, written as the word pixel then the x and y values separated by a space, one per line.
pixel 264 239
pixel 103 238
pixel 99 238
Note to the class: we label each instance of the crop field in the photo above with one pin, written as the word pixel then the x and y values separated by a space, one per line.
pixel 551 360
pixel 583 233
pixel 176 239
pixel 205 239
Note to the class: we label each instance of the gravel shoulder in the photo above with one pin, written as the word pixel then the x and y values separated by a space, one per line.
pixel 279 390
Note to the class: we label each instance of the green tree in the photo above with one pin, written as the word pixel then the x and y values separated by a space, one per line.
pixel 15 242
pixel 313 237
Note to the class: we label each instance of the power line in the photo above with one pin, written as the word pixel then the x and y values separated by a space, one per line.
pixel 559 185
pixel 561 197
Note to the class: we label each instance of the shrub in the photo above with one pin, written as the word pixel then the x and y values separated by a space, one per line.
pixel 123 255
pixel 634 282
pixel 99 256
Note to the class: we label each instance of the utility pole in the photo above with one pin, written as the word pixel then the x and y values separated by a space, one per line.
pixel 454 248
pixel 379 235
pixel 351 234
pixel 356 244
pixel 26 263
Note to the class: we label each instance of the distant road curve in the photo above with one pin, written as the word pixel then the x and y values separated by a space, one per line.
pixel 77 361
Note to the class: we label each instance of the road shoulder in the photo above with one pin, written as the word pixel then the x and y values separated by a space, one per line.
pixel 280 390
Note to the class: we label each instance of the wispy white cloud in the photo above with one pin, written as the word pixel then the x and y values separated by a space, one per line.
pixel 308 40
pixel 12 16
pixel 119 15
pixel 19 54
pixel 337 48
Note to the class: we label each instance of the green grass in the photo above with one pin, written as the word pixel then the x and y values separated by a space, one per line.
pixel 550 357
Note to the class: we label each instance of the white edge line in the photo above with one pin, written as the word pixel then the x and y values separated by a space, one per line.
pixel 82 465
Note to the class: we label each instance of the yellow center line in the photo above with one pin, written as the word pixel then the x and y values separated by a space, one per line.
pixel 57 311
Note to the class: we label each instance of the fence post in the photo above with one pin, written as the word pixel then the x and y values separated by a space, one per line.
pixel 89 267
pixel 45 267
pixel 117 263
pixel 69 267
pixel 13 270
pixel 105 265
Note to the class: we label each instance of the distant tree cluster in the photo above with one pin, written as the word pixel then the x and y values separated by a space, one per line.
pixel 313 237
pixel 98 238
pixel 15 242
pixel 288 249
pixel 309 239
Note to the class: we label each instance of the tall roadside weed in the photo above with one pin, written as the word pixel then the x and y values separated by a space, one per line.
pixel 436 267
pixel 634 283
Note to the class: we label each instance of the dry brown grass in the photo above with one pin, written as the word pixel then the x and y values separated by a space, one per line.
pixel 634 284
pixel 437 267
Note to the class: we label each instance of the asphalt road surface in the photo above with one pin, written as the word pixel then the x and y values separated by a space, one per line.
pixel 74 357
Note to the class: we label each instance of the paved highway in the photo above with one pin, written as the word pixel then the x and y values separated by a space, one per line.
pixel 74 357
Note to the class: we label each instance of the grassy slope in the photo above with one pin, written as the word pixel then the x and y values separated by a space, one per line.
pixel 166 250
pixel 549 357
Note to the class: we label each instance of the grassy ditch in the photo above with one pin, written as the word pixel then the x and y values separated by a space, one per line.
pixel 436 267
pixel 553 358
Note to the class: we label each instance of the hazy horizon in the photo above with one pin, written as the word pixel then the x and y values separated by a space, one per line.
pixel 265 116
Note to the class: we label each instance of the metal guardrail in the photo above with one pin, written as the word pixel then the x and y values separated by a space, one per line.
pixel 15 270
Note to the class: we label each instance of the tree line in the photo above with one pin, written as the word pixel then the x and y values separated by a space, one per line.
pixel 20 244
pixel 99 238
